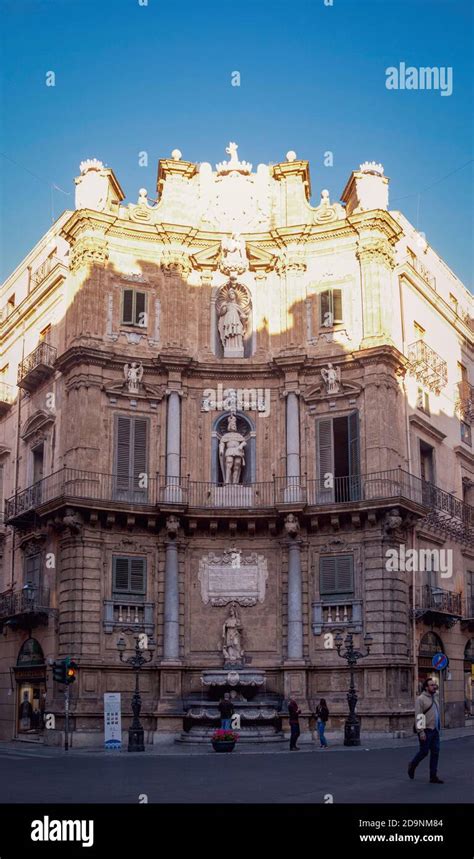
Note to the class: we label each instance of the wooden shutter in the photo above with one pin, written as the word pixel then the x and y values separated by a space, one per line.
pixel 337 305
pixel 129 575
pixel 33 570
pixel 121 578
pixel 325 309
pixel 354 457
pixel 325 459
pixel 140 308
pixel 138 575
pixel 336 575
pixel 140 433
pixel 127 306
pixel 123 452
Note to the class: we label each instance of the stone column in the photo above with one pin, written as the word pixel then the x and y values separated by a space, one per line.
pixel 295 595
pixel 293 488
pixel 173 447
pixel 171 612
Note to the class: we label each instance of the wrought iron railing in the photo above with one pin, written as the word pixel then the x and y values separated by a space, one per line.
pixel 427 366
pixel 437 599
pixel 14 603
pixel 422 270
pixel 43 355
pixel 395 485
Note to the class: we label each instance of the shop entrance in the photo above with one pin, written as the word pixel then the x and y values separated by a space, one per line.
pixel 30 676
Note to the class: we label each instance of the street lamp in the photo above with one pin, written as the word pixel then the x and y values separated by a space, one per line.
pixel 143 645
pixel 352 724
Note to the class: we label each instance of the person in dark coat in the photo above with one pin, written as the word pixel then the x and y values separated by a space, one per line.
pixel 322 714
pixel 294 713
pixel 227 711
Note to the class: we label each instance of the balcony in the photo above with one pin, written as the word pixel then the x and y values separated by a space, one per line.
pixel 25 608
pixel 36 367
pixel 436 606
pixel 337 613
pixel 422 270
pixel 124 611
pixel 6 398
pixel 427 366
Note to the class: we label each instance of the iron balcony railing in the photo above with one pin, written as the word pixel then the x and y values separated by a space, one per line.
pixel 24 601
pixel 427 366
pixel 436 599
pixel 72 484
pixel 43 356
pixel 6 393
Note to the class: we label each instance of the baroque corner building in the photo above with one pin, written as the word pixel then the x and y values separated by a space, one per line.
pixel 240 424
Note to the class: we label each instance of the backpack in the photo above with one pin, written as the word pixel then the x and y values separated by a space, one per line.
pixel 415 730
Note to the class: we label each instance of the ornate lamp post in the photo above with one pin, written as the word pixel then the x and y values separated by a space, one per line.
pixel 352 725
pixel 144 647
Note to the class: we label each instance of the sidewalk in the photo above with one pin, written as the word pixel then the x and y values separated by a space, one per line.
pixel 168 747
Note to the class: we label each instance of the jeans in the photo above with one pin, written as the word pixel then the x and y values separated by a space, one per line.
pixel 431 745
pixel 225 724
pixel 322 738
pixel 295 732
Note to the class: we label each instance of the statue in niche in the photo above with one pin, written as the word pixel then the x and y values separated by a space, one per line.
pixel 232 636
pixel 133 374
pixel 233 259
pixel 332 378
pixel 232 313
pixel 231 452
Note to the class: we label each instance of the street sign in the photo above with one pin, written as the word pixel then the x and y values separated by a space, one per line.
pixel 112 720
pixel 440 661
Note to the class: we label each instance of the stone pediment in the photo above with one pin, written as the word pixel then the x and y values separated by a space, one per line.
pixel 318 392
pixel 36 422
pixel 146 392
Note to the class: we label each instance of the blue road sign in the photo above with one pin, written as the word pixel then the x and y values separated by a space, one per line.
pixel 440 661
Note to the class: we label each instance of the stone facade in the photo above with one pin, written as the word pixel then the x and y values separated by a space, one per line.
pixel 231 397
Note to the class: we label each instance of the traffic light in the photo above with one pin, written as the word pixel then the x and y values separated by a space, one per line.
pixel 71 670
pixel 59 670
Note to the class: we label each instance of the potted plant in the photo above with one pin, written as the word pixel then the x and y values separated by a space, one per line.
pixel 224 741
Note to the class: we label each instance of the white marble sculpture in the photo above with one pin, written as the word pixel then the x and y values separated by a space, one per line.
pixel 332 378
pixel 231 452
pixel 232 321
pixel 232 637
pixel 133 374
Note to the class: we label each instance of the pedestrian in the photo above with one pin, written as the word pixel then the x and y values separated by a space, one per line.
pixel 427 726
pixel 322 714
pixel 312 722
pixel 294 713
pixel 227 711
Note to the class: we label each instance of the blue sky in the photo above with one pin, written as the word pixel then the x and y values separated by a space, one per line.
pixel 132 78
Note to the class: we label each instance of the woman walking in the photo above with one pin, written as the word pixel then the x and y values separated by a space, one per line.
pixel 322 714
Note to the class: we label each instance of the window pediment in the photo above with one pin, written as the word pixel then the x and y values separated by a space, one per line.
pixel 37 422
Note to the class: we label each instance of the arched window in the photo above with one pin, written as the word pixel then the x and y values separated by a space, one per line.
pixel 246 428
pixel 431 644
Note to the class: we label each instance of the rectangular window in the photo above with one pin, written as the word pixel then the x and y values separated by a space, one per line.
pixel 32 571
pixel 330 306
pixel 129 575
pixel 338 459
pixel 45 334
pixel 466 435
pixel 423 401
pixel 134 308
pixel 427 469
pixel 131 458
pixel 453 302
pixel 336 576
pixel 470 593
pixel 11 303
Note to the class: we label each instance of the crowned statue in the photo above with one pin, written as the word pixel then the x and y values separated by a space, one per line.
pixel 231 452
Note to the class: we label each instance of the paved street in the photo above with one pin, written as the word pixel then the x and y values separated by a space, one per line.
pixel 378 775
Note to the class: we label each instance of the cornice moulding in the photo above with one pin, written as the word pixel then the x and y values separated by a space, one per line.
pixel 422 424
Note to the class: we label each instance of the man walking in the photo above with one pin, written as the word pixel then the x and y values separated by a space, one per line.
pixel 294 713
pixel 427 725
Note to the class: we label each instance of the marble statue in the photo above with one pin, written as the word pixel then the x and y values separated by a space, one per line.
pixel 133 374
pixel 332 378
pixel 232 319
pixel 231 452
pixel 232 636
pixel 233 259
